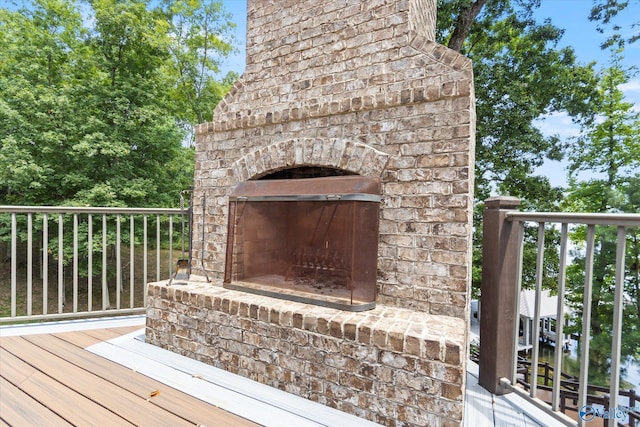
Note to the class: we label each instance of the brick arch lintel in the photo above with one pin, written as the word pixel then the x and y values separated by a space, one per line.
pixel 355 157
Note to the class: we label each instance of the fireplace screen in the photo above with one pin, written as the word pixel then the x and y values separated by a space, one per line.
pixel 309 240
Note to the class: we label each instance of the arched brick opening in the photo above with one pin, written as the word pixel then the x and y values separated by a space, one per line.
pixel 352 158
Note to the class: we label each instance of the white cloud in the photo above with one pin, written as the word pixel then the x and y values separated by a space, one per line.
pixel 631 91
pixel 631 86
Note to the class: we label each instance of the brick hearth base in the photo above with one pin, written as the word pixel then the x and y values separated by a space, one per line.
pixel 389 365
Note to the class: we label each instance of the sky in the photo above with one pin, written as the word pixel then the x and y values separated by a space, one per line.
pixel 580 33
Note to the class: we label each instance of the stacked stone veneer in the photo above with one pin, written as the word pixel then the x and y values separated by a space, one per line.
pixel 356 85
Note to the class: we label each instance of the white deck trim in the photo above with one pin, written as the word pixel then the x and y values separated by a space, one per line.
pixel 485 409
pixel 71 325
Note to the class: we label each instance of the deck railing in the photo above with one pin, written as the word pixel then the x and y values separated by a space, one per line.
pixel 545 377
pixel 88 261
pixel 503 242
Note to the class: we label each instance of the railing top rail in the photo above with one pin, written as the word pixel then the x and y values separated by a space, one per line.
pixel 617 219
pixel 89 210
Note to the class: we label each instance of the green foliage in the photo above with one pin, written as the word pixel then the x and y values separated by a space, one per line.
pixel 609 149
pixel 200 34
pixel 604 12
pixel 611 145
pixel 520 76
pixel 93 108
pixel 513 59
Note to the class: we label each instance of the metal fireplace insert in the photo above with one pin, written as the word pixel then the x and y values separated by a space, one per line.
pixel 312 240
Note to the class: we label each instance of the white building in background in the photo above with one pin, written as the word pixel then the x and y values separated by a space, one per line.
pixel 548 310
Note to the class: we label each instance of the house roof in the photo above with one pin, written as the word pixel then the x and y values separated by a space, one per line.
pixel 548 304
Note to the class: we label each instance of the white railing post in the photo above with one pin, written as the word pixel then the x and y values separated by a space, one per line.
pixel 105 289
pixel 158 248
pixel 90 262
pixel 118 263
pixel 29 264
pixel 616 332
pixel 170 246
pixel 14 263
pixel 131 261
pixel 562 273
pixel 586 319
pixel 144 255
pixel 516 299
pixel 61 296
pixel 45 263
pixel 536 313
pixel 75 263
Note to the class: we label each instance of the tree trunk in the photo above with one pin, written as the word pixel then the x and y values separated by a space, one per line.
pixel 463 24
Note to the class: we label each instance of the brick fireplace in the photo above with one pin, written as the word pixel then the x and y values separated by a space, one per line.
pixel 336 91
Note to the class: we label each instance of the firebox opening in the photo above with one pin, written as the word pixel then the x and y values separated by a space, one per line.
pixel 312 240
pixel 307 172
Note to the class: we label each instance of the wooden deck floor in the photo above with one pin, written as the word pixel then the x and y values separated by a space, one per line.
pixel 52 380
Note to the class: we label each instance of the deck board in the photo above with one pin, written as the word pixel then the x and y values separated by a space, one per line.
pixel 12 368
pixel 59 380
pixel 126 404
pixel 169 399
pixel 64 401
pixel 93 336
pixel 68 403
pixel 19 408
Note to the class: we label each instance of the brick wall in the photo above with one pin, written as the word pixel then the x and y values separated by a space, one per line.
pixel 355 85
pixel 393 366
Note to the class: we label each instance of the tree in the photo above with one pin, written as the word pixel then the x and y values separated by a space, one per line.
pixel 609 148
pixel 604 12
pixel 514 57
pixel 37 49
pixel 200 37
pixel 96 108
pixel 129 143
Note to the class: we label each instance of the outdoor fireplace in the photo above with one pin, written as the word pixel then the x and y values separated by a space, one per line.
pixel 337 173
pixel 310 240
